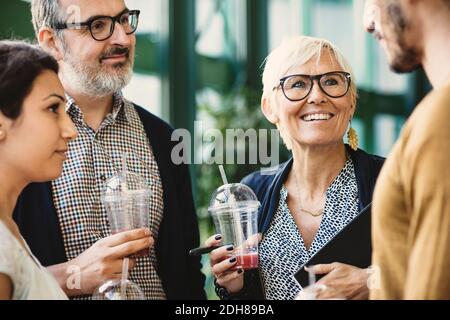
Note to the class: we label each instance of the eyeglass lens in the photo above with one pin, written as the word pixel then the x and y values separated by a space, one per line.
pixel 298 87
pixel 103 28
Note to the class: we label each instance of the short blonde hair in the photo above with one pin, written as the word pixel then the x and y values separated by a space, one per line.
pixel 294 52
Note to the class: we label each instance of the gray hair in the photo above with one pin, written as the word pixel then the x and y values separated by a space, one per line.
pixel 46 13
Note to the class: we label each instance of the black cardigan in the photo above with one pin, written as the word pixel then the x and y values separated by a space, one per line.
pixel 181 277
pixel 267 189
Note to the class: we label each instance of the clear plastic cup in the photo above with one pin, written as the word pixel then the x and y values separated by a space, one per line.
pixel 118 290
pixel 126 198
pixel 234 209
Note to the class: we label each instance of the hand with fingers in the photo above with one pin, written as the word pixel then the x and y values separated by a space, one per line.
pixel 103 261
pixel 222 262
pixel 341 281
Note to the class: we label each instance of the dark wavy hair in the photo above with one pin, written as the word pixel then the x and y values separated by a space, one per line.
pixel 20 64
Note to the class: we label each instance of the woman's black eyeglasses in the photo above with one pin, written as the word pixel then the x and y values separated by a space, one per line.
pixel 297 87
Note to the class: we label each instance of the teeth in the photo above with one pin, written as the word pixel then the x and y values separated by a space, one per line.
pixel 317 116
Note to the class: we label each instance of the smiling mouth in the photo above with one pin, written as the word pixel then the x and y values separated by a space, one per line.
pixel 317 117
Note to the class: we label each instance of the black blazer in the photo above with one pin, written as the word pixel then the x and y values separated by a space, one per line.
pixel 267 189
pixel 180 273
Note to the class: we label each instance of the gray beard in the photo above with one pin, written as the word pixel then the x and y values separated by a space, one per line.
pixel 95 82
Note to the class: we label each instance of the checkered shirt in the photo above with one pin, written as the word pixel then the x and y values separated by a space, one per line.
pixel 92 159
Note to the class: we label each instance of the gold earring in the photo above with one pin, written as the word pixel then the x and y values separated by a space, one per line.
pixel 352 138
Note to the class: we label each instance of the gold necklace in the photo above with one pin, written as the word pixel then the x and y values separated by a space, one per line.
pixel 316 213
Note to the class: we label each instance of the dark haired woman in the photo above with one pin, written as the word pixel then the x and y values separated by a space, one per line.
pixel 34 136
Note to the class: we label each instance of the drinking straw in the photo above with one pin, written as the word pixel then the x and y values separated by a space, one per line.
pixel 311 276
pixel 224 176
pixel 232 204
pixel 126 261
pixel 124 172
pixel 312 282
pixel 123 281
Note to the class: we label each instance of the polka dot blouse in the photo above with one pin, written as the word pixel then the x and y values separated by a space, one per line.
pixel 282 250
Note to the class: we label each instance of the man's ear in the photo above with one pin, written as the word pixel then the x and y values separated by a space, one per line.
pixel 2 133
pixel 4 125
pixel 269 111
pixel 48 42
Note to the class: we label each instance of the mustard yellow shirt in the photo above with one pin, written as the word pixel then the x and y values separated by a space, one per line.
pixel 411 207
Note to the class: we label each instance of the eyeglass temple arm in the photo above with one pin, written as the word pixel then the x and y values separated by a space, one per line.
pixel 66 25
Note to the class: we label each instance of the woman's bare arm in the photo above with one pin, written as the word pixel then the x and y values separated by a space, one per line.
pixel 6 287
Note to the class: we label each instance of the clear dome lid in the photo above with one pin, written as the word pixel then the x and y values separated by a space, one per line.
pixel 124 183
pixel 230 197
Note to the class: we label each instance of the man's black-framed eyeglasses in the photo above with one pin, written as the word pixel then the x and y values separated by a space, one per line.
pixel 297 87
pixel 102 27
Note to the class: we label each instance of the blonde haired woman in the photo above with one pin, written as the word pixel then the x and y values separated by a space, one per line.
pixel 310 95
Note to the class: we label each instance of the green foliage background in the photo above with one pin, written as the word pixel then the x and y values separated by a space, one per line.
pixel 240 110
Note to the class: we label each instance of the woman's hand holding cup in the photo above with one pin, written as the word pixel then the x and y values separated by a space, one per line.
pixel 222 262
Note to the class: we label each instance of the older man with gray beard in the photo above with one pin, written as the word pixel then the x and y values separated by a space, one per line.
pixel 65 224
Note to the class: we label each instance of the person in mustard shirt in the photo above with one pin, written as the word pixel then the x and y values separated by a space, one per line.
pixel 411 208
